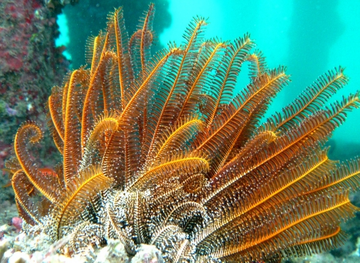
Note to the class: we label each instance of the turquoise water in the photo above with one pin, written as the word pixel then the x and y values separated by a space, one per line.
pixel 310 37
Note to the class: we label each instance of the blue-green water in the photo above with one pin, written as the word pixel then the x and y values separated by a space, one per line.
pixel 310 37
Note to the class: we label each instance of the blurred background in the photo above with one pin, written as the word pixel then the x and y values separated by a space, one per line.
pixel 310 37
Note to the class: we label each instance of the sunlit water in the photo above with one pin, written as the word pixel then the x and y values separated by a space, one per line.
pixel 310 37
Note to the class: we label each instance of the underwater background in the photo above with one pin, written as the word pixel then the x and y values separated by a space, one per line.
pixel 310 37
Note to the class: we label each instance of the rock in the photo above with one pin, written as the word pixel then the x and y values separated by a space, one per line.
pixel 55 258
pixel 17 223
pixel 147 253
pixel 4 245
pixel 6 230
pixel 19 257
pixel 8 253
pixel 114 252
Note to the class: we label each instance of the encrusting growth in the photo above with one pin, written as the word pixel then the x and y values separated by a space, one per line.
pixel 162 150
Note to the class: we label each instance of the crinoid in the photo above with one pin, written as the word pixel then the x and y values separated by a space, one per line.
pixel 162 151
